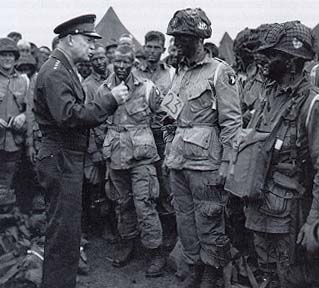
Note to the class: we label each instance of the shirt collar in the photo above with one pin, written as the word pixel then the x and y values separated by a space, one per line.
pixel 161 65
pixel 131 81
pixel 98 77
pixel 185 63
pixel 13 73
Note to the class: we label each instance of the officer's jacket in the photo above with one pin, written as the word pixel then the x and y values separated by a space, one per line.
pixel 33 131
pixel 59 104
pixel 13 92
pixel 129 141
pixel 90 85
pixel 209 119
pixel 294 160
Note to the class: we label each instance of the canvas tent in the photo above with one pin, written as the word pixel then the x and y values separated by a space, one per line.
pixel 111 28
pixel 226 49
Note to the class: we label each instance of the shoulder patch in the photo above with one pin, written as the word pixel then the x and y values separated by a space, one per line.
pixel 231 78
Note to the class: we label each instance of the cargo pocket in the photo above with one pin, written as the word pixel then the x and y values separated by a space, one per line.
pixel 210 209
pixel 153 183
pixel 138 109
pixel 143 144
pixel 200 97
pixel 196 142
pixel 277 202
pixel 107 145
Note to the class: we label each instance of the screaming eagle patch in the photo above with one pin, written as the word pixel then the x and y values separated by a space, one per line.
pixel 231 79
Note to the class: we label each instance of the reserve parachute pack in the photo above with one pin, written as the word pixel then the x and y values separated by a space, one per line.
pixel 253 151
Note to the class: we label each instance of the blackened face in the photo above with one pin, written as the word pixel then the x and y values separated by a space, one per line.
pixel 99 61
pixel 277 65
pixel 123 64
pixel 186 45
pixel 173 54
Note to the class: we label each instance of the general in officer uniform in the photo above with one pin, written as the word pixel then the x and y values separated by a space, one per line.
pixel 208 117
pixel 64 120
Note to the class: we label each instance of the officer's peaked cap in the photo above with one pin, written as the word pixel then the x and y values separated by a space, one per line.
pixel 84 24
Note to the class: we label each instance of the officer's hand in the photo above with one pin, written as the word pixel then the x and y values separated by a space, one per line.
pixel 222 173
pixel 3 124
pixel 303 234
pixel 18 121
pixel 120 93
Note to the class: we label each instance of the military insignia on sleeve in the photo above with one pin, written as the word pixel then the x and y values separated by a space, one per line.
pixel 232 79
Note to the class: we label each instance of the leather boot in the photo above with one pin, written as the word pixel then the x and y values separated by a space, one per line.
pixel 209 278
pixel 123 251
pixel 194 277
pixel 156 263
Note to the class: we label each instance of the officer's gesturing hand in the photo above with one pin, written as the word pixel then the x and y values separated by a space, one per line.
pixel 120 93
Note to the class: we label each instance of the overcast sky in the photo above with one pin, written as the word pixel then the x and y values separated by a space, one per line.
pixel 36 19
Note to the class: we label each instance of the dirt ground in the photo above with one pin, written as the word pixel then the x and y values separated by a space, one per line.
pixel 103 274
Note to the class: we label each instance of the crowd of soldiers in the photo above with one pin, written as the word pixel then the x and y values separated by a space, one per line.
pixel 216 164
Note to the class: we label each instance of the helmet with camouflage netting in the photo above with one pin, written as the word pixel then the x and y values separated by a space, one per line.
pixel 193 22
pixel 292 38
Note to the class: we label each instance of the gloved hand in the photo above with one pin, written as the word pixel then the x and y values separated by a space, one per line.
pixel 17 122
pixel 222 173
pixel 120 93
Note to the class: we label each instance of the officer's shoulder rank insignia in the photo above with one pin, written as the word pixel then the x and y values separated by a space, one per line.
pixel 231 79
pixel 56 64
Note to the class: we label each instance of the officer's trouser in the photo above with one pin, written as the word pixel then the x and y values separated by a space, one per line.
pixel 60 172
pixel 138 188
pixel 200 212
